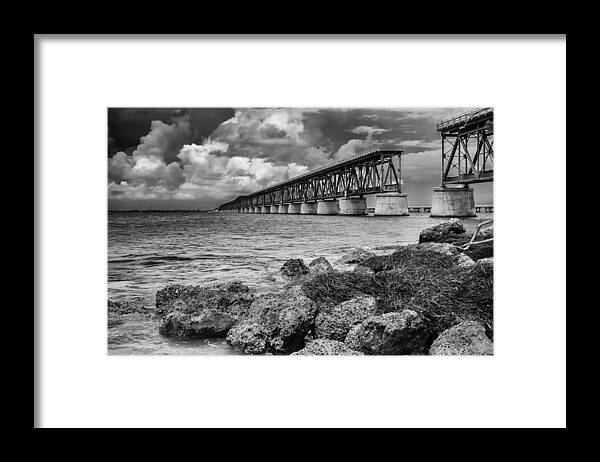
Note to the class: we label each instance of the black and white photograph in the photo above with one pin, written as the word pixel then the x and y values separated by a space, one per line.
pixel 300 231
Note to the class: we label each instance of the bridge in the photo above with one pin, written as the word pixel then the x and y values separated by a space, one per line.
pixel 467 158
pixel 336 188
pixel 340 187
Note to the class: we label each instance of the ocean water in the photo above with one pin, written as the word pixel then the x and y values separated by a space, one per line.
pixel 147 251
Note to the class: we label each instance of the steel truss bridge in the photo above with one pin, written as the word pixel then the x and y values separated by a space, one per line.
pixel 468 147
pixel 376 171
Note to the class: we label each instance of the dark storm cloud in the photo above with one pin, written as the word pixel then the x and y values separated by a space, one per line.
pixel 127 125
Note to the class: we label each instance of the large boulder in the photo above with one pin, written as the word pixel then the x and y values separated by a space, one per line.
pixel 401 333
pixel 128 306
pixel 356 255
pixel 206 324
pixel 233 297
pixel 294 268
pixel 204 312
pixel 276 323
pixel 444 248
pixel 480 251
pixel 334 321
pixel 326 347
pixel 466 338
pixel 448 231
pixel 320 265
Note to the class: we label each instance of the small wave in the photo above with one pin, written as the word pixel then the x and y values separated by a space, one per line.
pixel 171 258
pixel 154 261
pixel 123 260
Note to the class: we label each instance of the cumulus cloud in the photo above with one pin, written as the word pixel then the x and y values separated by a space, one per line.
pixel 369 131
pixel 202 170
pixel 273 133
pixel 151 170
pixel 351 148
pixel 423 144
pixel 165 140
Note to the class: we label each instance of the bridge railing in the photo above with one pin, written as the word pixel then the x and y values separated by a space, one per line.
pixel 324 168
pixel 462 118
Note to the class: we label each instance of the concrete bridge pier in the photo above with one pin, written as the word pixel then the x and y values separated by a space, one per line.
pixel 353 205
pixel 257 209
pixel 308 208
pixel 283 208
pixel 274 208
pixel 265 209
pixel 328 207
pixel 293 209
pixel 391 204
pixel 453 202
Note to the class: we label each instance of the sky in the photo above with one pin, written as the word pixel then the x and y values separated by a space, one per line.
pixel 198 158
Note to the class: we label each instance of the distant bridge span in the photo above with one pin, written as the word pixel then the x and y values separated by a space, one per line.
pixel 349 179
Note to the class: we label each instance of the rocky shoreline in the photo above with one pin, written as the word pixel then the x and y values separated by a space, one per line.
pixel 427 298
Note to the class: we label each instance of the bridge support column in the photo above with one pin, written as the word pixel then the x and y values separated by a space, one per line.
pixel 453 202
pixel 353 205
pixel 283 208
pixel 257 209
pixel 391 204
pixel 265 209
pixel 328 207
pixel 274 208
pixel 293 209
pixel 308 208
